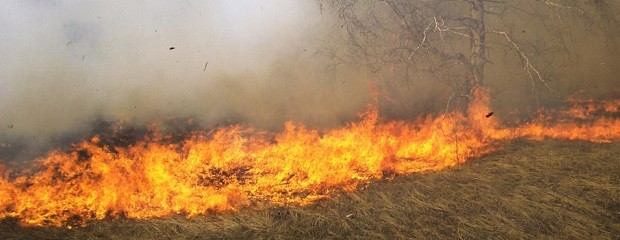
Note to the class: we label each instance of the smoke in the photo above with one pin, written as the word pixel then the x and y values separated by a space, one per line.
pixel 65 63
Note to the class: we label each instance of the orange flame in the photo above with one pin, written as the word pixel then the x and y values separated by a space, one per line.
pixel 240 167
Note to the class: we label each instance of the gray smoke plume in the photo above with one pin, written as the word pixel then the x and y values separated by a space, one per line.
pixel 65 62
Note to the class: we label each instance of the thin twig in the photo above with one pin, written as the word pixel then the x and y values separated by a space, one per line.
pixel 422 42
pixel 527 65
pixel 449 101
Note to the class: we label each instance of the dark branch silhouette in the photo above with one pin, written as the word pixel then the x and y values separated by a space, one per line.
pixel 453 39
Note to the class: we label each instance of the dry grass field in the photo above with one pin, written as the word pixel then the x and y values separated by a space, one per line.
pixel 525 190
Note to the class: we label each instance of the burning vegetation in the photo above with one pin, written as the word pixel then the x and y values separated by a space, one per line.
pixel 156 175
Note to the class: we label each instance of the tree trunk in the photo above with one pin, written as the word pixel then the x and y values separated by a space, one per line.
pixel 477 58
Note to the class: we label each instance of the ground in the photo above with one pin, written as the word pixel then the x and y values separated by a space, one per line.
pixel 525 190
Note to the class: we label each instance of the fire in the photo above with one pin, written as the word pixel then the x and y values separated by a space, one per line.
pixel 239 167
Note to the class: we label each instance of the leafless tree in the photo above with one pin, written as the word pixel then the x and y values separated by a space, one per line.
pixel 452 39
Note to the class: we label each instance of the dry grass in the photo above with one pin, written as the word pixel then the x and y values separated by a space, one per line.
pixel 526 190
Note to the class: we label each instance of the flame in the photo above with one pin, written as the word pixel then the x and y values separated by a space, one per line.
pixel 239 167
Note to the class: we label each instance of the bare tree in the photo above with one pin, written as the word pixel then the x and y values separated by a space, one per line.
pixel 452 39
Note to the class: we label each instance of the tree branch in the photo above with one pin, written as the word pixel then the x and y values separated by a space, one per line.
pixel 527 64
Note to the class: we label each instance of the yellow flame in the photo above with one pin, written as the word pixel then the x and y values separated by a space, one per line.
pixel 240 167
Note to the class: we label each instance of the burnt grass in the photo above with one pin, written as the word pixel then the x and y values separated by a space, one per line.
pixel 525 190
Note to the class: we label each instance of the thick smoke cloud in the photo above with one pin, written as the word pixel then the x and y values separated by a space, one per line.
pixel 66 62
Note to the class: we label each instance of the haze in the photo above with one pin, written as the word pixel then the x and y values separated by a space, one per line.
pixel 66 62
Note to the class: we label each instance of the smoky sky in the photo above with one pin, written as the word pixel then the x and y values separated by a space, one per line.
pixel 64 62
